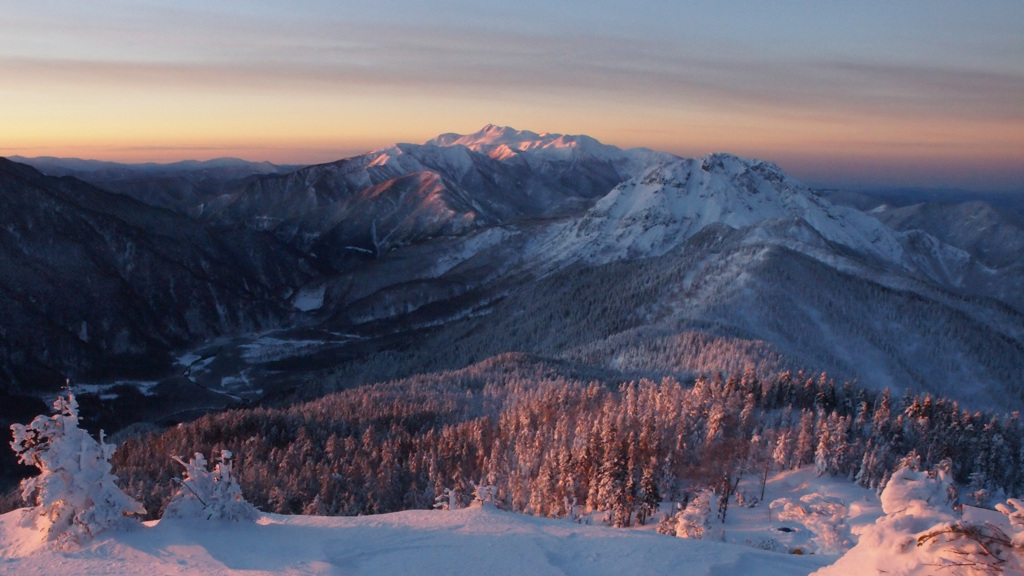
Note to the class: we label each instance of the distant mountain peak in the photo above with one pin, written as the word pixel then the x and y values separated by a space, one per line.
pixel 667 203
pixel 503 141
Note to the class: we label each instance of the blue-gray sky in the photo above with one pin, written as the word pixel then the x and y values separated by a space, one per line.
pixel 857 94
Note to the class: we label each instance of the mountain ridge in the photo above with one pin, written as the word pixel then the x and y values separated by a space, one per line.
pixel 90 277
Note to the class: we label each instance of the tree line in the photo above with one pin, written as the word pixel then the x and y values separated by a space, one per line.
pixel 556 445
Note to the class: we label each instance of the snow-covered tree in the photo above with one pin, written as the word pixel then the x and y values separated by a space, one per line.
pixel 75 494
pixel 783 450
pixel 209 495
pixel 805 441
pixel 614 486
pixel 978 493
pixel 649 498
pixel 695 521
pixel 448 499
pixel 485 495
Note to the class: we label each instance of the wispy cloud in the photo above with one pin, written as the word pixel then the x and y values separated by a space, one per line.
pixel 472 63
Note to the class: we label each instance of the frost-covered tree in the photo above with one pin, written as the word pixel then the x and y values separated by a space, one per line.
pixel 783 450
pixel 75 494
pixel 448 499
pixel 614 486
pixel 209 494
pixel 485 495
pixel 695 521
pixel 649 498
pixel 805 441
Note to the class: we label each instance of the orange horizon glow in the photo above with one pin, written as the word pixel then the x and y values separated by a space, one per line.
pixel 824 96
pixel 891 148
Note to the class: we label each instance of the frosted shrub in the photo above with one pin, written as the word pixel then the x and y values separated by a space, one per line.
pixel 913 502
pixel 209 495
pixel 574 511
pixel 75 494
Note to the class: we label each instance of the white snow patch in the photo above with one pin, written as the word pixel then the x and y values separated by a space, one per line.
pixel 144 386
pixel 467 248
pixel 310 298
pixel 188 359
pixel 270 349
pixel 811 530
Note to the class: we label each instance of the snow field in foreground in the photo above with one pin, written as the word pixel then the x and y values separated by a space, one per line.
pixel 838 527
pixel 468 541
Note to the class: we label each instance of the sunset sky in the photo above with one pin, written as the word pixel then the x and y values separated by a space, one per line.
pixel 855 94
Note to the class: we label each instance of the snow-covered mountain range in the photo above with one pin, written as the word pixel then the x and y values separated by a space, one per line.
pixel 440 254
pixel 359 208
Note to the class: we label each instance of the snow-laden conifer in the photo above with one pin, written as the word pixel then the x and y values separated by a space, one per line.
pixel 447 500
pixel 485 495
pixel 648 496
pixel 695 521
pixel 75 494
pixel 209 495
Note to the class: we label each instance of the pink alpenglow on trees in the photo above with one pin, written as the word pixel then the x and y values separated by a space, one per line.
pixel 75 494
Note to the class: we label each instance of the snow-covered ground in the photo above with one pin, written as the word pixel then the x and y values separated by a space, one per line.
pixel 476 540
pixel 820 525
pixel 921 535
pixel 809 529
pixel 468 541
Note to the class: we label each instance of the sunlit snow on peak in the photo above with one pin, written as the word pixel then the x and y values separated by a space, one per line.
pixel 503 142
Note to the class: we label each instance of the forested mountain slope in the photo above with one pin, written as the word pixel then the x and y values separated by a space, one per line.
pixel 93 282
